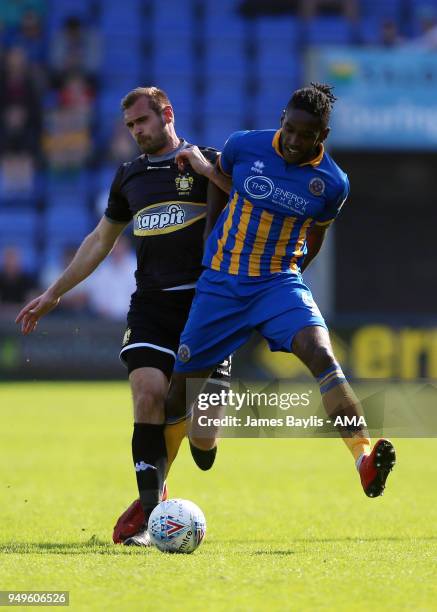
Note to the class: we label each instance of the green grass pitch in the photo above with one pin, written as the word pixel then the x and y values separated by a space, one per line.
pixel 289 527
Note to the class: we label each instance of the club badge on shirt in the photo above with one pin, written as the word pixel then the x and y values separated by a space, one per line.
pixel 184 184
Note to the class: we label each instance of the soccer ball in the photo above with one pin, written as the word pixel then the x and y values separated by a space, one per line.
pixel 177 526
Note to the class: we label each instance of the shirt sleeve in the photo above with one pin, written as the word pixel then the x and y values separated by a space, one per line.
pixel 211 154
pixel 230 152
pixel 118 210
pixel 333 206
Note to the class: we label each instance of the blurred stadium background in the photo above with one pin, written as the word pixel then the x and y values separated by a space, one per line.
pixel 226 65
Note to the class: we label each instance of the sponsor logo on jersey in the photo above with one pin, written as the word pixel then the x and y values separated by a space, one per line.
pixel 184 184
pixel 258 166
pixel 307 298
pixel 126 336
pixel 317 186
pixel 258 187
pixel 262 187
pixel 289 200
pixel 184 353
pixel 167 217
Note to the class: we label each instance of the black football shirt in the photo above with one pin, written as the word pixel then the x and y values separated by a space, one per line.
pixel 168 210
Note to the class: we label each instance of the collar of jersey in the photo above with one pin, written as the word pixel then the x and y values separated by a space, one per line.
pixel 167 156
pixel 313 162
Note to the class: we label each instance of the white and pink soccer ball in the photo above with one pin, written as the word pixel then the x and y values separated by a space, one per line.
pixel 177 526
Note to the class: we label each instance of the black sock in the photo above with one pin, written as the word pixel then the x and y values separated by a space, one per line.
pixel 204 459
pixel 150 460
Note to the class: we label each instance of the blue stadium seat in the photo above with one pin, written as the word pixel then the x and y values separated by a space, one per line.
pixel 172 16
pixel 104 177
pixel 272 97
pixel 278 60
pixel 59 186
pixel 66 224
pixel 224 12
pixel 30 255
pixel 179 89
pixel 184 126
pixel 278 28
pixel 382 8
pixel 278 40
pixel 369 30
pixel 225 56
pixel 224 94
pixel 122 17
pixel 20 228
pixel 328 30
pixel 22 200
pixel 173 54
pixel 121 63
pixel 225 24
pixel 218 128
pixel 18 225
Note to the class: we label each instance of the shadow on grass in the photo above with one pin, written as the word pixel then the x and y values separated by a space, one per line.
pixel 355 540
pixel 93 546
pixel 99 547
pixel 278 553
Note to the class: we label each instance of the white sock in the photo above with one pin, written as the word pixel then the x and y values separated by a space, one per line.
pixel 359 460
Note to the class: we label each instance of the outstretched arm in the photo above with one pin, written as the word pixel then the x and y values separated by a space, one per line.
pixel 91 252
pixel 315 238
pixel 201 165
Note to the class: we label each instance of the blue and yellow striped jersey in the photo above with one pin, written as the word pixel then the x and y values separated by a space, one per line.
pixel 263 228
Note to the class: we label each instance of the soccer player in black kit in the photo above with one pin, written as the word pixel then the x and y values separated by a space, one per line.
pixel 167 205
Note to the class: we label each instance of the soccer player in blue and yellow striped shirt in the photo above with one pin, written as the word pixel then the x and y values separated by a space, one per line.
pixel 285 192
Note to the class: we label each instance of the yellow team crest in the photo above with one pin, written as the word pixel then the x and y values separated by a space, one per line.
pixel 184 184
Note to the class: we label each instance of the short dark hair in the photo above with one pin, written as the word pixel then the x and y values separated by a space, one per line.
pixel 158 99
pixel 318 100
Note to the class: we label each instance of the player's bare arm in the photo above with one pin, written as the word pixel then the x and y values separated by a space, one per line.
pixel 216 202
pixel 201 165
pixel 315 238
pixel 91 252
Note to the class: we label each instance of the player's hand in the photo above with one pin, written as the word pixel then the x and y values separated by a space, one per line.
pixel 196 159
pixel 34 310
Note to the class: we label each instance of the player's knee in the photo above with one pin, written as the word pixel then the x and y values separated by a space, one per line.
pixel 148 406
pixel 321 357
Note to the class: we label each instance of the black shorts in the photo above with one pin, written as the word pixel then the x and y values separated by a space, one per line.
pixel 154 324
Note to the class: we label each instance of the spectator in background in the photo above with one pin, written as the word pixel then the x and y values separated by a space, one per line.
pixel 76 301
pixel 12 11
pixel 113 282
pixel 427 18
pixel 18 149
pixel 390 36
pixel 20 121
pixel 18 87
pixel 29 36
pixel 67 137
pixel 15 284
pixel 75 49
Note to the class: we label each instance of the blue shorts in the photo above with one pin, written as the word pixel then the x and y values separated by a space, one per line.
pixel 226 309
